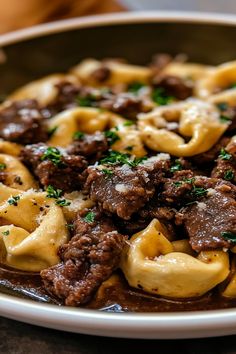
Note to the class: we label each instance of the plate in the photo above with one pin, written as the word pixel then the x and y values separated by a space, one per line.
pixel 126 325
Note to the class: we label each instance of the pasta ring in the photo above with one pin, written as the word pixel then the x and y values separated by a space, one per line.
pixel 197 119
pixel 151 263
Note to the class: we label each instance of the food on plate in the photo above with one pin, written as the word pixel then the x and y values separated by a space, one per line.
pixel 117 186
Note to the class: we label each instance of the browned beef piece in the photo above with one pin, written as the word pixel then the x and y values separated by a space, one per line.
pixel 122 189
pixel 88 259
pixel 126 104
pixel 174 86
pixel 66 97
pixel 226 163
pixel 101 74
pixel 211 155
pixel 23 122
pixel 177 190
pixel 92 146
pixel 67 172
pixel 207 220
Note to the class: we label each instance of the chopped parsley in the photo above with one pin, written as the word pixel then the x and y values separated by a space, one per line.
pixel 129 148
pixel 176 166
pixel 70 227
pixel 2 166
pixel 6 233
pixel 229 236
pixel 111 136
pixel 223 106
pixel 224 119
pixel 189 180
pixel 115 157
pixel 135 86
pixel 233 85
pixel 107 172
pixel 198 192
pixel 89 217
pixel 54 155
pixel 229 175
pixel 56 194
pixel 78 135
pixel 128 123
pixel 14 200
pixel 52 130
pixel 160 96
pixel 177 184
pixel 87 101
pixel 224 155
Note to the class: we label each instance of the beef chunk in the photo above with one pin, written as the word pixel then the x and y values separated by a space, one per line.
pixel 87 260
pixel 66 97
pixel 66 172
pixel 214 214
pixel 92 146
pixel 211 155
pixel 123 190
pixel 174 86
pixel 226 163
pixel 101 74
pixel 23 122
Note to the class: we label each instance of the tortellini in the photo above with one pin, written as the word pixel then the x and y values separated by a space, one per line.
pixel 219 78
pixel 7 147
pixel 34 229
pixel 85 119
pixel 197 120
pixel 44 90
pixel 190 71
pixel 119 72
pixel 152 263
pixel 17 175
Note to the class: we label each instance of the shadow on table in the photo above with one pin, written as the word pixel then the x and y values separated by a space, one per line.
pixel 19 338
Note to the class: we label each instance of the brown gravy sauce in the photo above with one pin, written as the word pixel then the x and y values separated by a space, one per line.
pixel 114 296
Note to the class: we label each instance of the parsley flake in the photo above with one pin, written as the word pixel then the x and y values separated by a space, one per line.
pixel 53 154
pixel 176 166
pixel 111 136
pixel 56 194
pixel 6 233
pixel 223 106
pixel 128 123
pixel 160 96
pixel 52 130
pixel 107 172
pixel 135 86
pixel 229 236
pixel 198 192
pixel 229 175
pixel 13 200
pixel 89 217
pixel 115 157
pixel 224 119
pixel 63 202
pixel 78 135
pixel 87 101
pixel 224 155
pixel 177 184
pixel 2 166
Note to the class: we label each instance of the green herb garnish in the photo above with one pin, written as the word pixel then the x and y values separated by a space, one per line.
pixel 89 217
pixel 13 200
pixel 176 166
pixel 70 227
pixel 78 135
pixel 223 106
pixel 52 130
pixel 224 119
pixel 233 85
pixel 229 236
pixel 111 136
pixel 107 172
pixel 135 86
pixel 189 180
pixel 128 123
pixel 177 184
pixel 6 233
pixel 228 175
pixel 160 96
pixel 224 155
pixel 87 101
pixel 198 192
pixel 56 194
pixel 2 166
pixel 115 157
pixel 54 155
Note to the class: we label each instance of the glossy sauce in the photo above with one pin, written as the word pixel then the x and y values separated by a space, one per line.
pixel 116 296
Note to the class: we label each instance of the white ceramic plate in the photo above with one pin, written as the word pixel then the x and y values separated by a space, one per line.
pixel 129 325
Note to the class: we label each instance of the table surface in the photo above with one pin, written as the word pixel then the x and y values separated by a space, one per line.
pixel 20 338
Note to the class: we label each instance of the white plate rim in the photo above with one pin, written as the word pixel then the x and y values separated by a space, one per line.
pixel 127 325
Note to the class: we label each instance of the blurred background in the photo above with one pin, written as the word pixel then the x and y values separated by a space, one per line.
pixel 16 14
